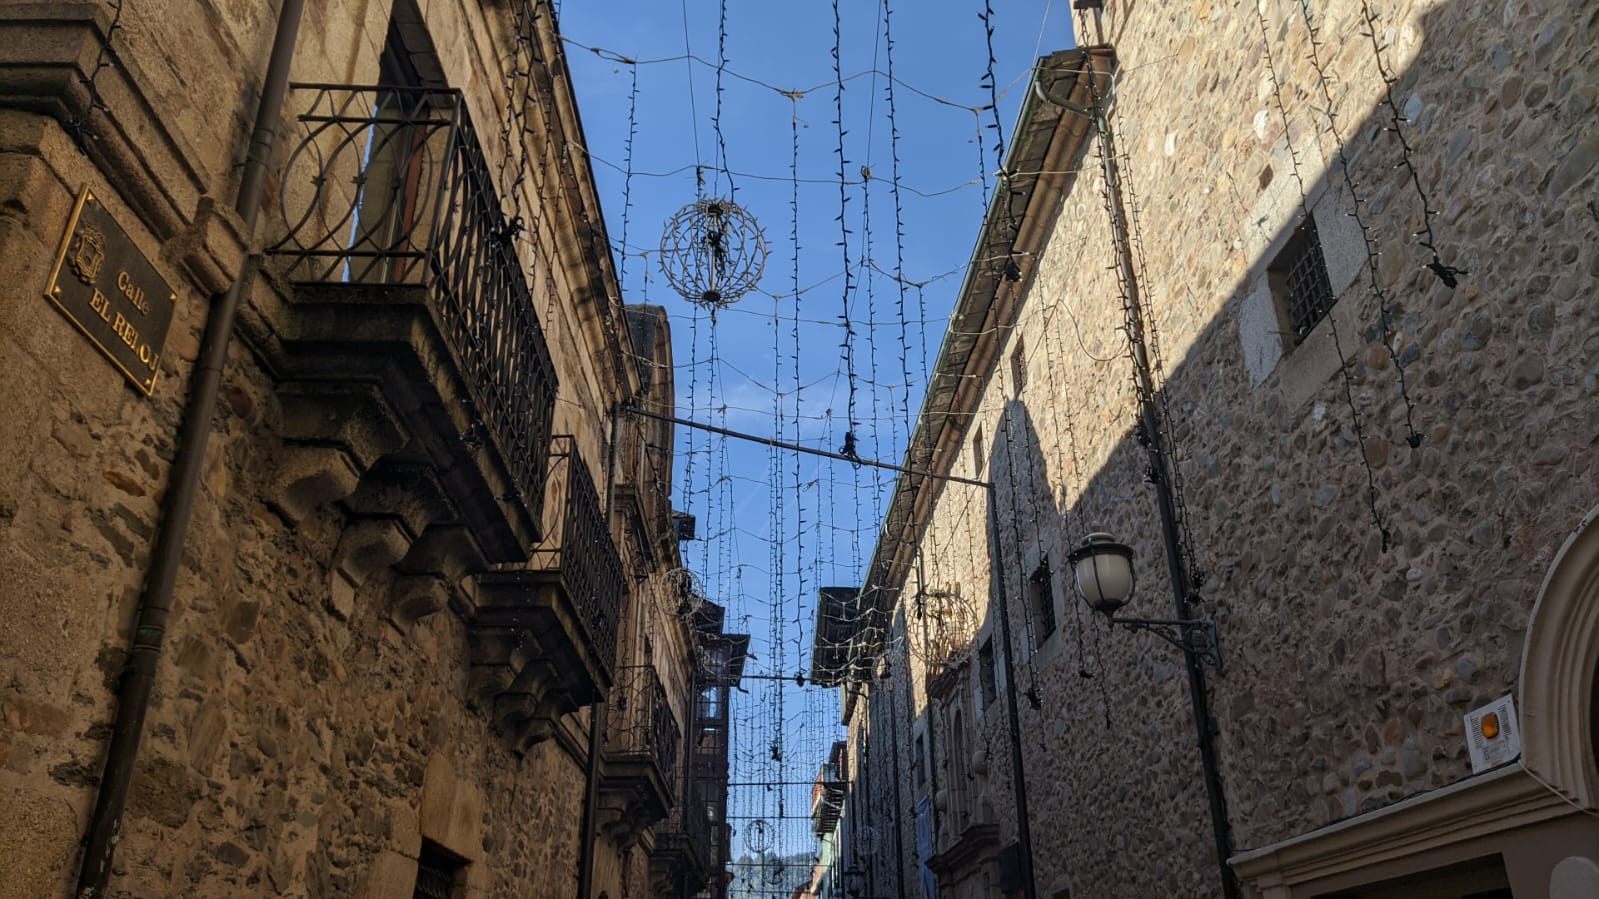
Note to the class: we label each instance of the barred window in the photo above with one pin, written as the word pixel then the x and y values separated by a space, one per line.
pixel 436 871
pixel 1299 279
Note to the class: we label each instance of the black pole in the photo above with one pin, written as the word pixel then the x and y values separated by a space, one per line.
pixel 591 792
pixel 811 450
pixel 591 780
pixel 1159 466
pixel 155 605
pixel 1024 833
pixel 897 817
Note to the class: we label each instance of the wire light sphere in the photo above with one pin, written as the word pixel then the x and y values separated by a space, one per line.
pixel 944 627
pixel 713 252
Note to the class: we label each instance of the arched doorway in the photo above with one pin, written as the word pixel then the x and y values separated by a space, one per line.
pixel 1559 684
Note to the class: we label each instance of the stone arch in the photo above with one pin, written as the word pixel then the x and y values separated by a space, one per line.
pixel 1559 664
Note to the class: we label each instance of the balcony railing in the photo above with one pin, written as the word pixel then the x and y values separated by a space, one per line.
pixel 641 722
pixel 577 547
pixel 389 186
pixel 688 830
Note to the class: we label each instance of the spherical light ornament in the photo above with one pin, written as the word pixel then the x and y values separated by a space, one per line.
pixel 713 252
pixel 942 629
pixel 758 836
pixel 1103 570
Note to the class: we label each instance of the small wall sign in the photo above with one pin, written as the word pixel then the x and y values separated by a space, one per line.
pixel 1492 737
pixel 111 292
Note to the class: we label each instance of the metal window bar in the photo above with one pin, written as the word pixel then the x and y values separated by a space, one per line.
pixel 435 875
pixel 1310 294
pixel 578 546
pixel 641 721
pixel 389 185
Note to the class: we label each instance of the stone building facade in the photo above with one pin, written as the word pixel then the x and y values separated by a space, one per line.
pixel 1389 481
pixel 425 632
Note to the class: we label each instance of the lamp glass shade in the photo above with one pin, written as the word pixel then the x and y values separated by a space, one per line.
pixel 1103 570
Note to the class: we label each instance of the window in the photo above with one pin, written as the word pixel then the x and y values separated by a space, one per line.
pixel 1041 594
pixel 977 452
pixel 712 739
pixel 1299 280
pixel 710 703
pixel 1018 366
pixel 985 671
pixel 919 762
pixel 959 759
pixel 436 872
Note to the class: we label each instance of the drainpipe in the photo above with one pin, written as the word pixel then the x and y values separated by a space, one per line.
pixel 1177 567
pixel 591 780
pixel 155 605
pixel 898 822
pixel 1024 831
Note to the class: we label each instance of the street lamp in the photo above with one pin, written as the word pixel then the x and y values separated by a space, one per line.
pixel 1103 570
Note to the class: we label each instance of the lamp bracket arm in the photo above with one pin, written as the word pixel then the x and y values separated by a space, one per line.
pixel 1196 637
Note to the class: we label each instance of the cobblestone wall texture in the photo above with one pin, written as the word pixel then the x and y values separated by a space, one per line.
pixel 1348 664
pixel 296 746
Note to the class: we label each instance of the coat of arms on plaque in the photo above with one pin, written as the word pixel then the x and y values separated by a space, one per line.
pixel 88 253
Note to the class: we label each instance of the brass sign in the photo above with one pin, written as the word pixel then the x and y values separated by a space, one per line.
pixel 105 286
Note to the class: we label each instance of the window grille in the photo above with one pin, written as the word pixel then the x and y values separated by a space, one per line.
pixel 435 873
pixel 1301 271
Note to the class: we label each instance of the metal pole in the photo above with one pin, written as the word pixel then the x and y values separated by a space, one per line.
pixel 1160 474
pixel 896 818
pixel 1024 833
pixel 591 780
pixel 155 605
pixel 780 444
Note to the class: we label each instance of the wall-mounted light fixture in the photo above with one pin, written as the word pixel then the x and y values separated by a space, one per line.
pixel 1103 570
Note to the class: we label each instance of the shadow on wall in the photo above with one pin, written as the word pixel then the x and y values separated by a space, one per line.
pixel 1344 659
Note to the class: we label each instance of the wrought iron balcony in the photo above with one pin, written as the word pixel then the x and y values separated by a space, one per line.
pixel 641 725
pixel 544 636
pixel 686 854
pixel 387 200
pixel 642 748
pixel 577 552
pixel 828 793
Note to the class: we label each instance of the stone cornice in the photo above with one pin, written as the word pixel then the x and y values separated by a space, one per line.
pixel 1499 800
pixel 46 53
pixel 1016 228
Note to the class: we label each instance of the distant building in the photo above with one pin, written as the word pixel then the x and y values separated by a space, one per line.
pixel 1368 596
pixel 427 631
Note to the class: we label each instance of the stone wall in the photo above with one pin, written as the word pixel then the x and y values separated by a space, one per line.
pixel 302 741
pixel 1348 663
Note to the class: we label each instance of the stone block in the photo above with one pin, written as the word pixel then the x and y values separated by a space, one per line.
pixel 390 875
pixel 370 545
pixel 451 813
pixel 416 597
pixel 309 477
pixel 39 838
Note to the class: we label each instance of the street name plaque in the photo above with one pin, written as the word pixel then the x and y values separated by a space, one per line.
pixel 111 292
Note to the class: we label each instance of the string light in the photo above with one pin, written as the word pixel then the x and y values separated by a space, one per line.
pixel 1448 274
pixel 78 127
pixel 1384 316
pixel 1343 363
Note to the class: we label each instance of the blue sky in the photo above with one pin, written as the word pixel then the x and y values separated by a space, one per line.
pixel 776 527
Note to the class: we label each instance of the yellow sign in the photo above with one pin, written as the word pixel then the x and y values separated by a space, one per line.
pixel 111 292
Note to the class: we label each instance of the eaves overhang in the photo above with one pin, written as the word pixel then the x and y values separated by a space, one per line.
pixel 1038 171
